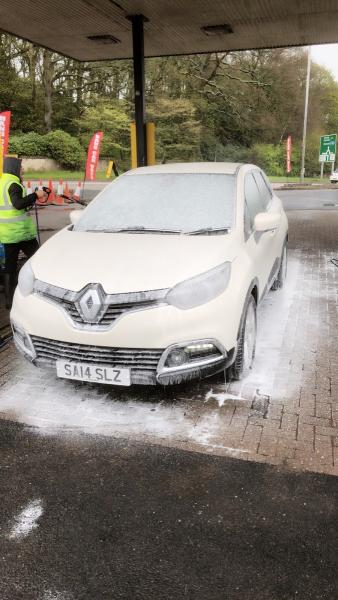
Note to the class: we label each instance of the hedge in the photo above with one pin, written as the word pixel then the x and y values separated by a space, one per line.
pixel 64 148
pixel 58 144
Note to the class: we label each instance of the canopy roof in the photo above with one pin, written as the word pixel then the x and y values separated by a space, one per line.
pixel 99 29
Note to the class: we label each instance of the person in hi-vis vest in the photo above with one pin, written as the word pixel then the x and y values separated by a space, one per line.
pixel 17 227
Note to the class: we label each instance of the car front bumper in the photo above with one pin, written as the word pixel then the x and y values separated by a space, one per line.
pixel 147 367
pixel 141 337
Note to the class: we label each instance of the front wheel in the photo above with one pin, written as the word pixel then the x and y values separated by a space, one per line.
pixel 281 277
pixel 246 343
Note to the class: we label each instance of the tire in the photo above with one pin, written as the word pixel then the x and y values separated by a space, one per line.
pixel 281 276
pixel 246 343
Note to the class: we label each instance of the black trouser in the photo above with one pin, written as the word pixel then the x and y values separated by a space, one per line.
pixel 28 247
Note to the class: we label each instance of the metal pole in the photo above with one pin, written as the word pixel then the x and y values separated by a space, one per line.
pixel 302 169
pixel 37 224
pixel 139 87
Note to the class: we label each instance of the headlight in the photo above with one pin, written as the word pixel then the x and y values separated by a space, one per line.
pixel 200 289
pixel 26 279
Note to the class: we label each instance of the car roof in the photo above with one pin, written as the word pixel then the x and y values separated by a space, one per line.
pixel 226 168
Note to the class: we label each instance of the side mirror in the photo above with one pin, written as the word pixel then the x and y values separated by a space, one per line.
pixel 74 216
pixel 267 221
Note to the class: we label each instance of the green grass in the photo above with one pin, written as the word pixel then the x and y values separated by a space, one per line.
pixel 284 179
pixel 64 175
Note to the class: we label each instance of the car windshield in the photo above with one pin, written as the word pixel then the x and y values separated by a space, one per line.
pixel 191 203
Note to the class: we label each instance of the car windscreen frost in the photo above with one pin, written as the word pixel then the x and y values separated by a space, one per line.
pixel 167 202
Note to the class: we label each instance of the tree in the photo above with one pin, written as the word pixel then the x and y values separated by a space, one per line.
pixel 220 106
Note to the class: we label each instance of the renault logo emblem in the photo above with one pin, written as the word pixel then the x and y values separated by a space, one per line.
pixel 90 305
pixel 90 302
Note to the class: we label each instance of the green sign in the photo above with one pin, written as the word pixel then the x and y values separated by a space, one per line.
pixel 327 148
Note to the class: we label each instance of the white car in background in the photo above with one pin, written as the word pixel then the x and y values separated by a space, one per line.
pixel 158 279
pixel 334 177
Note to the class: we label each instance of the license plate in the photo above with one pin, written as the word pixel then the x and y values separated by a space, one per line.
pixel 92 373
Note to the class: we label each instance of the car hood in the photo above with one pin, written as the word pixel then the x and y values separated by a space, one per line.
pixel 124 263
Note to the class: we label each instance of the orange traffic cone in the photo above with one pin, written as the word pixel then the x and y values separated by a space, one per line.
pixel 40 201
pixel 51 197
pixel 67 191
pixel 60 188
pixel 59 200
pixel 77 193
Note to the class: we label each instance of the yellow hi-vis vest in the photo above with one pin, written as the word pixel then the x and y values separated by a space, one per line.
pixel 15 225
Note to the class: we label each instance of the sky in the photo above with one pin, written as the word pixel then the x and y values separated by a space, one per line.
pixel 327 55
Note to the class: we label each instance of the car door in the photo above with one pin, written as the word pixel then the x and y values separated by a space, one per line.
pixel 277 236
pixel 259 246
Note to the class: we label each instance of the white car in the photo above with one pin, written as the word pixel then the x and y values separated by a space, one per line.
pixel 158 279
pixel 334 177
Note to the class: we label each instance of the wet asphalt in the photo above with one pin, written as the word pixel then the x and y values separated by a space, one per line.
pixel 309 199
pixel 131 521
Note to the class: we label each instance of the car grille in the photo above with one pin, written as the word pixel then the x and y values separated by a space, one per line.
pixel 113 305
pixel 113 311
pixel 142 362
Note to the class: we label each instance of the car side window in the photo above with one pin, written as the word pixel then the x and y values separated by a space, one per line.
pixel 267 183
pixel 253 200
pixel 263 189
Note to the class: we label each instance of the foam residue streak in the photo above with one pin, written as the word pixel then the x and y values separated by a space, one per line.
pixel 26 520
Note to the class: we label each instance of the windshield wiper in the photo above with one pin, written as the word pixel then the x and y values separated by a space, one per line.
pixel 139 229
pixel 208 230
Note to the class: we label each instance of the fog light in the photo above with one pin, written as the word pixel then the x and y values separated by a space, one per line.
pixel 26 342
pixel 190 360
pixel 192 353
pixel 176 358
pixel 23 341
pixel 202 350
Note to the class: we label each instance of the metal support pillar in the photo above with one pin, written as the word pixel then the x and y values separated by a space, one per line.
pixel 307 86
pixel 139 87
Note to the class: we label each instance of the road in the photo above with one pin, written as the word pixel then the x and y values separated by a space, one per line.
pixel 309 199
pixel 202 492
